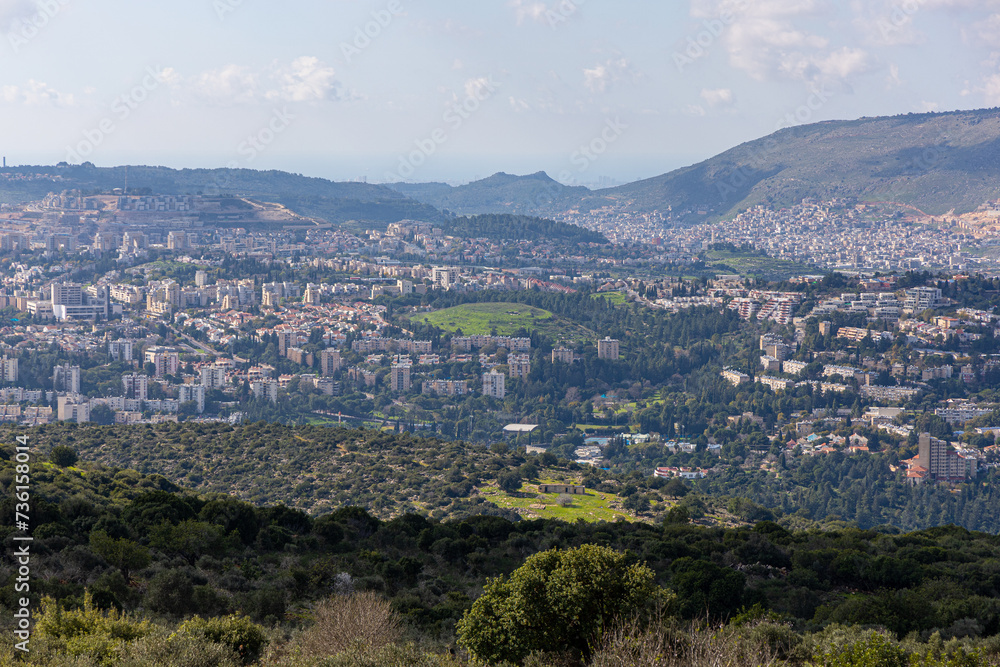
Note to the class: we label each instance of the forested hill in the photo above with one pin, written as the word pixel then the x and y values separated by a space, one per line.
pixel 499 193
pixel 110 540
pixel 506 227
pixel 317 197
pixel 317 469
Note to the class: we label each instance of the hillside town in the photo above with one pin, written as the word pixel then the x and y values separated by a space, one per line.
pixel 150 315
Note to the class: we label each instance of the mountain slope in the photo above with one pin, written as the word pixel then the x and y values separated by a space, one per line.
pixel 935 162
pixel 317 197
pixel 499 193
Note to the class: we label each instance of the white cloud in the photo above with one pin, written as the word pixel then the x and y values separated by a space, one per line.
pixel 36 93
pixel 474 87
pixel 528 10
pixel 305 79
pixel 772 39
pixel 519 105
pixel 717 97
pixel 602 76
pixel 14 11
pixel 929 106
pixel 694 110
pixel 990 90
pixel 232 84
pixel 893 80
pixel 308 79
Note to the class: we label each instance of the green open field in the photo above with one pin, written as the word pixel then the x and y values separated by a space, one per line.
pixel 594 506
pixel 617 298
pixel 506 319
pixel 746 265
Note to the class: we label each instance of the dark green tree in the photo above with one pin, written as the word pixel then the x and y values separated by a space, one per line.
pixel 557 601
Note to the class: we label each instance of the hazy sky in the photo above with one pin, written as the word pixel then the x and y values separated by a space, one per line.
pixel 458 89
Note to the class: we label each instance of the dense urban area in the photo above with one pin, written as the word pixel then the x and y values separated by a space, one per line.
pixel 763 371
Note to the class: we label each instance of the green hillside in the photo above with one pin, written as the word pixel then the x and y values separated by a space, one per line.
pixel 311 468
pixel 499 193
pixel 317 197
pixel 507 227
pixel 935 162
pixel 128 569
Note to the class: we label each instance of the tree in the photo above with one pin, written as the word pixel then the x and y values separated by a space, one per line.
pixel 558 601
pixel 63 456
pixel 102 414
pixel 126 555
pixel 509 482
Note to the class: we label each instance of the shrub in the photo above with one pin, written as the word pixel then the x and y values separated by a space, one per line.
pixel 359 621
pixel 557 601
pixel 88 631
pixel 873 649
pixel 175 650
pixel 667 645
pixel 238 633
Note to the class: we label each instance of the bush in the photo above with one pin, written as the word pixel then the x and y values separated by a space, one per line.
pixel 677 514
pixel 89 631
pixel 557 601
pixel 238 633
pixel 391 655
pixel 171 592
pixel 873 649
pixel 667 645
pixel 173 650
pixel 360 621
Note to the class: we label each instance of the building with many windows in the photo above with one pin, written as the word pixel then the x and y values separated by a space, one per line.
pixel 607 349
pixel 399 378
pixel 329 362
pixel 518 365
pixel 937 461
pixel 187 393
pixel 66 378
pixel 493 385
pixel 445 387
pixel 136 386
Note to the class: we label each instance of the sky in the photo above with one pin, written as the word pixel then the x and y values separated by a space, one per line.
pixel 594 92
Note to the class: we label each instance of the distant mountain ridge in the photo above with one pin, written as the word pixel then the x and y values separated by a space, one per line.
pixel 935 162
pixel 499 193
pixel 315 197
